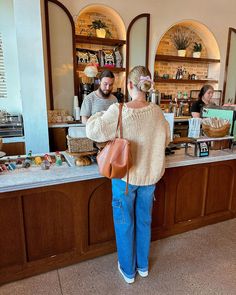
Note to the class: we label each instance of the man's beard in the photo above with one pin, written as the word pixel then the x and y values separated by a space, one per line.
pixel 104 94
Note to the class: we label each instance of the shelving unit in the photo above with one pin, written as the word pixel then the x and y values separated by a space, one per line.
pixel 167 59
pixel 184 81
pixel 98 41
pixel 81 39
pixel 101 43
pixel 172 58
pixel 81 67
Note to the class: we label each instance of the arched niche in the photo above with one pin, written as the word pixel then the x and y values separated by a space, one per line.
pixel 108 13
pixel 200 33
pixel 115 25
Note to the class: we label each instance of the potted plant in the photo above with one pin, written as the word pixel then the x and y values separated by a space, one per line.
pixel 100 28
pixel 181 40
pixel 197 48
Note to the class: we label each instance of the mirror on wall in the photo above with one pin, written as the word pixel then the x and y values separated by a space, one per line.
pixel 137 50
pixel 60 44
pixel 229 90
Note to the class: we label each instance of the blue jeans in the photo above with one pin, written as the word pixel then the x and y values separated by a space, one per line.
pixel 132 215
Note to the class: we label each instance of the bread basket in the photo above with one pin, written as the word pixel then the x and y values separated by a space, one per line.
pixel 216 132
pixel 76 145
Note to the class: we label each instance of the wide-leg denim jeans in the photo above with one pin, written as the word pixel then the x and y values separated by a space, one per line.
pixel 132 215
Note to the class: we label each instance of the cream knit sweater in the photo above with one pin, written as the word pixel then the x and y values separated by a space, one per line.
pixel 148 132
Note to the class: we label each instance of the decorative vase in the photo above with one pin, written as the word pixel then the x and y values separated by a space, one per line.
pixel 197 54
pixel 181 52
pixel 101 33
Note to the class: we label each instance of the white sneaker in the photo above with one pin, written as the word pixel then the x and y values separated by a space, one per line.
pixel 143 274
pixel 128 280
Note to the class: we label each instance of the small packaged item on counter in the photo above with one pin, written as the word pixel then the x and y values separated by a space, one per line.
pixel 37 160
pixel 48 158
pixel 45 165
pixel 11 166
pixel 58 159
pixel 19 161
pixel 26 163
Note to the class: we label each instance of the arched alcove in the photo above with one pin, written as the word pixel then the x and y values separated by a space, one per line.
pixel 207 72
pixel 102 12
pixel 117 31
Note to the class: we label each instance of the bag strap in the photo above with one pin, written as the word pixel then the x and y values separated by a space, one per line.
pixel 119 126
pixel 119 122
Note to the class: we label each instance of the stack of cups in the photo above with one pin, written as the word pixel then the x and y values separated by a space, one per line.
pixel 76 108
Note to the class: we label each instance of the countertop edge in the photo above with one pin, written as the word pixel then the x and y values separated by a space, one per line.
pixel 74 173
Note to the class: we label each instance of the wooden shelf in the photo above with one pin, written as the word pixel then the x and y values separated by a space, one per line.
pixel 81 67
pixel 160 57
pixel 98 41
pixel 184 81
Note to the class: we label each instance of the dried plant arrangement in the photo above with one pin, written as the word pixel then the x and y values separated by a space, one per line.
pixel 181 38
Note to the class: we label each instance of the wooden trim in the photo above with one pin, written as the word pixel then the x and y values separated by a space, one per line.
pixel 51 103
pixel 80 67
pixel 227 62
pixel 147 15
pixel 161 57
pixel 49 49
pixel 99 41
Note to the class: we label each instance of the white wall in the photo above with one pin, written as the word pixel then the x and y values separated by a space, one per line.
pixel 32 77
pixel 216 15
pixel 12 103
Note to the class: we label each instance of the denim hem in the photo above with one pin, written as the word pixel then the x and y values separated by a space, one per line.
pixel 142 269
pixel 128 276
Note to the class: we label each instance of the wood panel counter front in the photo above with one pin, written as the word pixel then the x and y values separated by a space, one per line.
pixel 46 223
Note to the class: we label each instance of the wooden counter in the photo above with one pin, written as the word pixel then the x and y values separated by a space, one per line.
pixel 51 226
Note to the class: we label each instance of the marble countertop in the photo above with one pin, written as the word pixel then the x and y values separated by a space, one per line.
pixel 63 125
pixel 36 177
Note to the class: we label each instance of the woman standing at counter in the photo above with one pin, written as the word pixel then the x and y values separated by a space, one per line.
pixel 204 99
pixel 147 130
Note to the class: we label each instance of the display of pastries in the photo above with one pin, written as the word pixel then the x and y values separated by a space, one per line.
pixel 83 161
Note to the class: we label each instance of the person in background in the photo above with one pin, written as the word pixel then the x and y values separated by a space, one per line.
pixel 204 99
pixel 145 127
pixel 100 99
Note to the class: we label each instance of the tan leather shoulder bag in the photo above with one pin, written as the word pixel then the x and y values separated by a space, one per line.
pixel 115 160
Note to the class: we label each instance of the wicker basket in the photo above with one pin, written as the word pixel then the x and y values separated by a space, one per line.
pixel 77 145
pixel 216 132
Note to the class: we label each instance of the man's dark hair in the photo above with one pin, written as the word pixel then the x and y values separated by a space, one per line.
pixel 106 74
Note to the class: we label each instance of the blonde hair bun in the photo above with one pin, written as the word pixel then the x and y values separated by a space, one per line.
pixel 141 78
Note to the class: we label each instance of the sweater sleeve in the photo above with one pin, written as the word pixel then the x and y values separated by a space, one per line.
pixel 101 126
pixel 167 133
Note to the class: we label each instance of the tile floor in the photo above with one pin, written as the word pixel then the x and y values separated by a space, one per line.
pixel 199 262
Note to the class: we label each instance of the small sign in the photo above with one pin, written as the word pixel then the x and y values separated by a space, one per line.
pixel 203 149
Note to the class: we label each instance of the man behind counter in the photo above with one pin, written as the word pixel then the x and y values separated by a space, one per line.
pixel 100 99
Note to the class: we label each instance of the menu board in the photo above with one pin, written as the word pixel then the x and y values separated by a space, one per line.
pixel 3 84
